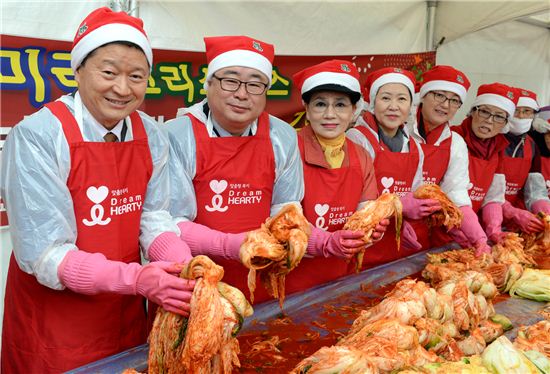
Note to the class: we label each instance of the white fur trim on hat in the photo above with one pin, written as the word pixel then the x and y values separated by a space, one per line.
pixel 112 32
pixel 240 57
pixel 389 78
pixel 528 102
pixel 497 100
pixel 544 113
pixel 328 77
pixel 443 85
pixel 540 125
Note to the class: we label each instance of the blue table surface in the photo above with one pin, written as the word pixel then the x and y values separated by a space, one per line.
pixel 304 306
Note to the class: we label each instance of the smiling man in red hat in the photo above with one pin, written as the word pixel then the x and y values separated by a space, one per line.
pixel 85 184
pixel 232 164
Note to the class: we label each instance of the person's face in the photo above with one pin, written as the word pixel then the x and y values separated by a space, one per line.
pixel 523 112
pixel 234 111
pixel 439 107
pixel 112 82
pixel 329 113
pixel 391 106
pixel 488 120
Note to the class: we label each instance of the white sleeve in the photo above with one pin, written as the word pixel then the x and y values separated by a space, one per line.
pixel 534 189
pixel 289 175
pixel 417 181
pixel 34 171
pixel 360 139
pixel 155 217
pixel 497 190
pixel 182 169
pixel 456 179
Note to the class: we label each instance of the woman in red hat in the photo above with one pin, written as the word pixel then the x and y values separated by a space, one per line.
pixel 442 93
pixel 525 188
pixel 482 131
pixel 338 174
pixel 397 157
pixel 84 184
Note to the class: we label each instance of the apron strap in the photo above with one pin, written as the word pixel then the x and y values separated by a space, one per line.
pixel 68 122
pixel 138 130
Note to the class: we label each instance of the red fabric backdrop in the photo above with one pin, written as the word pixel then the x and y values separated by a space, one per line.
pixel 36 71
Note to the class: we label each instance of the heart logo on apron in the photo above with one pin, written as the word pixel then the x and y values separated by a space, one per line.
pixel 387 182
pixel 321 209
pixel 97 195
pixel 218 186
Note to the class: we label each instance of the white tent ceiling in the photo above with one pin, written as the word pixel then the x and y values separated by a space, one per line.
pixel 295 27
pixel 459 18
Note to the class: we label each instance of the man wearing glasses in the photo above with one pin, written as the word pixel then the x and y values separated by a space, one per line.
pixel 232 165
pixel 442 93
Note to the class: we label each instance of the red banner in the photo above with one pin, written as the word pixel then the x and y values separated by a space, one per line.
pixel 36 71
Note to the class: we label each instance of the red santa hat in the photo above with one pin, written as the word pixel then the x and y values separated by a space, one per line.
pixel 445 78
pixel 332 75
pixel 380 77
pixel 224 51
pixel 104 26
pixel 499 95
pixel 528 98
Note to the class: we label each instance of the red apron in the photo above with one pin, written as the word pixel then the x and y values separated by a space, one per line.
pixel 395 173
pixel 436 163
pixel 233 187
pixel 331 196
pixel 545 170
pixel 481 176
pixel 436 159
pixel 47 330
pixel 516 171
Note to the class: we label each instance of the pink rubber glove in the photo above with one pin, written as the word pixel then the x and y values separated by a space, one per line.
pixel 459 237
pixel 541 206
pixel 481 248
pixel 160 283
pixel 408 237
pixel 92 273
pixel 491 215
pixel 380 229
pixel 341 243
pixel 470 226
pixel 526 220
pixel 205 241
pixel 168 246
pixel 414 208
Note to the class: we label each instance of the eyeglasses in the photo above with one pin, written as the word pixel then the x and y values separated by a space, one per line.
pixel 233 85
pixel 525 112
pixel 441 98
pixel 485 114
pixel 320 106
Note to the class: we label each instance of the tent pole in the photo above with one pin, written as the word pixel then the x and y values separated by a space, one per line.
pixel 432 6
pixel 133 8
pixel 129 6
pixel 116 5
